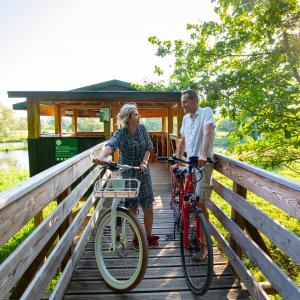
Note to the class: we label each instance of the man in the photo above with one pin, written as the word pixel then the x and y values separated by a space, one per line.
pixel 197 131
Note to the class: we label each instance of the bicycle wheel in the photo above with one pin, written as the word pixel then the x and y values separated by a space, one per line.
pixel 197 266
pixel 125 267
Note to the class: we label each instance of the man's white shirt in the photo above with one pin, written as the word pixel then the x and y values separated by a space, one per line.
pixel 192 130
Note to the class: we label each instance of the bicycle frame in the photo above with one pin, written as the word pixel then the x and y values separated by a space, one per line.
pixel 188 190
pixel 114 206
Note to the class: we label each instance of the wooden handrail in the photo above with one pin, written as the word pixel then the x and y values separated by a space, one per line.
pixel 281 192
pixel 20 204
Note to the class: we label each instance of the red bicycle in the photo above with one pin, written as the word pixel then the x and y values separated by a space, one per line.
pixel 195 239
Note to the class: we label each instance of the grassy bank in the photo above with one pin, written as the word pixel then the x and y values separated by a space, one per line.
pixel 12 177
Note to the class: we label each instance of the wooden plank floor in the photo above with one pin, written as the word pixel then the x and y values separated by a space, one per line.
pixel 164 277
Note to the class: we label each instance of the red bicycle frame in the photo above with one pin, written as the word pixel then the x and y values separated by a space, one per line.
pixel 188 189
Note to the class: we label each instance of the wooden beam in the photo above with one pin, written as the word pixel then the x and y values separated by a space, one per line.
pixel 74 121
pixel 65 225
pixel 179 119
pixel 153 113
pixel 33 119
pixel 238 218
pixel 115 108
pixel 279 191
pixel 57 119
pixel 46 110
pixel 170 130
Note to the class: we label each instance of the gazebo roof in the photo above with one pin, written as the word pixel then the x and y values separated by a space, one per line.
pixel 111 85
pixel 104 91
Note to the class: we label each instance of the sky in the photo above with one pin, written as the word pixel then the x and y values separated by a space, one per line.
pixel 57 45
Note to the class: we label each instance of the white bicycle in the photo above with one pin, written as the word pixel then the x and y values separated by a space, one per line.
pixel 120 242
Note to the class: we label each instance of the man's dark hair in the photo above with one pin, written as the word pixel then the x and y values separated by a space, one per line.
pixel 191 93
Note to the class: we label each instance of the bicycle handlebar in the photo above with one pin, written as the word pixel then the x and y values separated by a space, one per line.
pixel 193 161
pixel 113 166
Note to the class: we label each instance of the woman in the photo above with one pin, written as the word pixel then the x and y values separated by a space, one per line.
pixel 135 145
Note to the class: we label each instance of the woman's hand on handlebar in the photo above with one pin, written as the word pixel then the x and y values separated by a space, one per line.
pixel 144 166
pixel 100 161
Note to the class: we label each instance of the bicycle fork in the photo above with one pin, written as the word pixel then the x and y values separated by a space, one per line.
pixel 115 204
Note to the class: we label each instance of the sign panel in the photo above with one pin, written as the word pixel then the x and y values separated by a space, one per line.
pixel 104 114
pixel 65 148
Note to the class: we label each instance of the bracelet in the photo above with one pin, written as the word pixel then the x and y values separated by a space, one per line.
pixel 145 162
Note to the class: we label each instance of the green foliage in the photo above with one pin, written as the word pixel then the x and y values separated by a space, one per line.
pixel 270 151
pixel 47 125
pixel 246 65
pixel 89 125
pixel 11 128
pixel 152 124
pixel 11 178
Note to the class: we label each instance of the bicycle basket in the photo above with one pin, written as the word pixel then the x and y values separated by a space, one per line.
pixel 117 187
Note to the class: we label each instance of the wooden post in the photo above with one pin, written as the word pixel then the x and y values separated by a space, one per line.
pixel 244 224
pixel 64 226
pixel 179 119
pixel 115 110
pixel 238 218
pixel 33 119
pixel 170 130
pixel 57 120
pixel 74 121
pixel 163 142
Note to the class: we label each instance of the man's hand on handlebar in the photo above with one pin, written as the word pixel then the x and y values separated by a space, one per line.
pixel 202 160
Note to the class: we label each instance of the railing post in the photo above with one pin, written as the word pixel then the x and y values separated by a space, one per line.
pixel 238 218
pixel 64 226
pixel 244 224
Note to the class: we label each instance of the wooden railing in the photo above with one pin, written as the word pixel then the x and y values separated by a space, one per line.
pixel 247 222
pixel 160 144
pixel 26 273
pixel 277 190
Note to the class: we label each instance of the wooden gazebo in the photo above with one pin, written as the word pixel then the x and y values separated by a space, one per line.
pixel 86 102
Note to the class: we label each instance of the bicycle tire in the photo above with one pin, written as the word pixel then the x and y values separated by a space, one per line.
pixel 197 272
pixel 121 277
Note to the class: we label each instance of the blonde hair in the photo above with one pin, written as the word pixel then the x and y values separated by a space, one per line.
pixel 125 113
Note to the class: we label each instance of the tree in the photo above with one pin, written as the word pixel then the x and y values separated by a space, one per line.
pixel 7 122
pixel 247 65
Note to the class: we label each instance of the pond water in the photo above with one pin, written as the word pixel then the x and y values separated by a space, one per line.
pixel 14 159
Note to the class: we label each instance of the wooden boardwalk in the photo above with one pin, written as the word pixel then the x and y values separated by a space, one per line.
pixel 164 277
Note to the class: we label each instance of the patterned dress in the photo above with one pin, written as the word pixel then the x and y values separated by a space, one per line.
pixel 132 149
